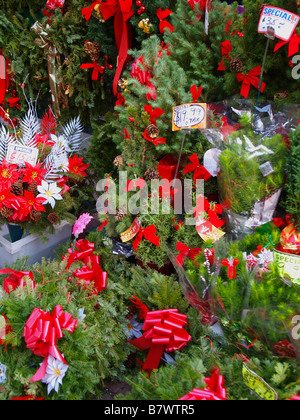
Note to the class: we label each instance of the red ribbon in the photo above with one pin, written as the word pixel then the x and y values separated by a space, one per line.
pixel 4 78
pixel 153 113
pixel 92 273
pixel 84 250
pixel 163 332
pixel 293 44
pixel 144 77
pixel 186 252
pixel 96 69
pixel 204 206
pixel 156 141
pixel 41 333
pixel 149 234
pixel 142 308
pixel 250 79
pixel 88 11
pixel 231 264
pixel 16 279
pixel 122 12
pixel 199 171
pixel 163 25
pixel 196 92
pixel 226 48
pixel 215 390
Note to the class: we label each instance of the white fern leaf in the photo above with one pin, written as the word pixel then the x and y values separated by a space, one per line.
pixel 73 131
pixel 29 127
pixel 56 162
pixel 5 140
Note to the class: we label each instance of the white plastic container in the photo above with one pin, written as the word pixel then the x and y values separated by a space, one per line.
pixel 31 246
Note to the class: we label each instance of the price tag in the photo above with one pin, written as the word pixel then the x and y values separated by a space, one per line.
pixel 132 231
pixel 281 21
pixel 288 265
pixel 258 385
pixel 189 116
pixel 18 154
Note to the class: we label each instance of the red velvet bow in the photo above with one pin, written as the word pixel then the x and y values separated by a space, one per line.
pixel 199 171
pixel 153 113
pixel 196 92
pixel 156 141
pixel 41 333
pixel 204 206
pixel 215 390
pixel 149 234
pixel 96 69
pixel 93 273
pixel 163 332
pixel 186 252
pixel 293 44
pixel 163 25
pixel 84 249
pixel 250 79
pixel 122 12
pixel 16 279
pixel 226 48
pixel 231 264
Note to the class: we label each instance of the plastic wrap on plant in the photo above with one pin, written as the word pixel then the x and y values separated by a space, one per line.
pixel 120 249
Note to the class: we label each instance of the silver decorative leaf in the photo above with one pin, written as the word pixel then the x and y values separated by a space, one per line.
pixel 5 140
pixel 29 127
pixel 73 131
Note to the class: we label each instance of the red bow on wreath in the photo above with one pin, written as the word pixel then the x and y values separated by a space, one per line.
pixel 293 44
pixel 212 210
pixel 92 273
pixel 84 249
pixel 163 25
pixel 16 279
pixel 41 333
pixel 149 234
pixel 250 79
pixel 153 113
pixel 231 264
pixel 199 171
pixel 96 69
pixel 226 48
pixel 215 390
pixel 186 252
pixel 163 332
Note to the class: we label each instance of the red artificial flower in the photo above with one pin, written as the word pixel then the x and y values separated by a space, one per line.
pixel 33 173
pixel 77 167
pixel 6 197
pixel 8 174
pixel 33 203
pixel 43 140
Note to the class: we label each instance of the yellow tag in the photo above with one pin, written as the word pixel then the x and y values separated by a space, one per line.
pixel 258 385
pixel 131 232
pixel 189 116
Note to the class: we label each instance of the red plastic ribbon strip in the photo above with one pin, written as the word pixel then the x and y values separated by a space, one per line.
pixel 163 24
pixel 215 390
pixel 231 264
pixel 16 279
pixel 149 234
pixel 186 252
pixel 163 332
pixel 250 79
pixel 41 333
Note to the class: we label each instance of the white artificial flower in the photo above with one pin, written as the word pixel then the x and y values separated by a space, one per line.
pixel 55 373
pixel 134 329
pixel 50 192
pixel 61 142
pixel 80 314
pixel 2 373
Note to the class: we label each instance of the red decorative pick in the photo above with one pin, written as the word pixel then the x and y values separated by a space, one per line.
pixel 163 24
pixel 199 171
pixel 226 49
pixel 149 234
pixel 163 332
pixel 186 252
pixel 250 79
pixel 293 44
pixel 231 264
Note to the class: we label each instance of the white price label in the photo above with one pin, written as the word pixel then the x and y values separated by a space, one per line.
pixel 18 154
pixel 281 21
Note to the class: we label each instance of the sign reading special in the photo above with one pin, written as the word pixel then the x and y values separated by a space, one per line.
pixel 288 265
pixel 189 116
pixel 18 154
pixel 281 21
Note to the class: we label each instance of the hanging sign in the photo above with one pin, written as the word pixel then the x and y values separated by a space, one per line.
pixel 18 154
pixel 281 21
pixel 189 116
pixel 288 266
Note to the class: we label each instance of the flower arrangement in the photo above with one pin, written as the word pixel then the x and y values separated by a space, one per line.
pixel 39 169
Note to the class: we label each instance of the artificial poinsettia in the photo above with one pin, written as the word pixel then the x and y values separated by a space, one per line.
pixel 8 174
pixel 6 198
pixel 33 173
pixel 32 202
pixel 77 167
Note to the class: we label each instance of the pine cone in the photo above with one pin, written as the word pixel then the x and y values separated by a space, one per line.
pixel 17 188
pixel 151 174
pixel 120 214
pixel 53 218
pixel 33 188
pixel 93 49
pixel 131 361
pixel 236 65
pixel 152 131
pixel 6 212
pixel 35 215
pixel 119 161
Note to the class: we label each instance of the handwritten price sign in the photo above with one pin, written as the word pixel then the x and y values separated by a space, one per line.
pixel 281 21
pixel 189 116
pixel 18 154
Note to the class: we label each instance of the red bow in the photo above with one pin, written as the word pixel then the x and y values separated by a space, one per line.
pixel 250 79
pixel 144 77
pixel 215 390
pixel 96 69
pixel 88 11
pixel 186 252
pixel 293 44
pixel 84 250
pixel 148 233
pixel 122 12
pixel 41 333
pixel 16 279
pixel 231 264
pixel 226 48
pixel 163 25
pixel 143 309
pixel 153 113
pixel 93 274
pixel 199 171
pixel 163 332
pixel 196 92
pixel 156 141
pixel 212 210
